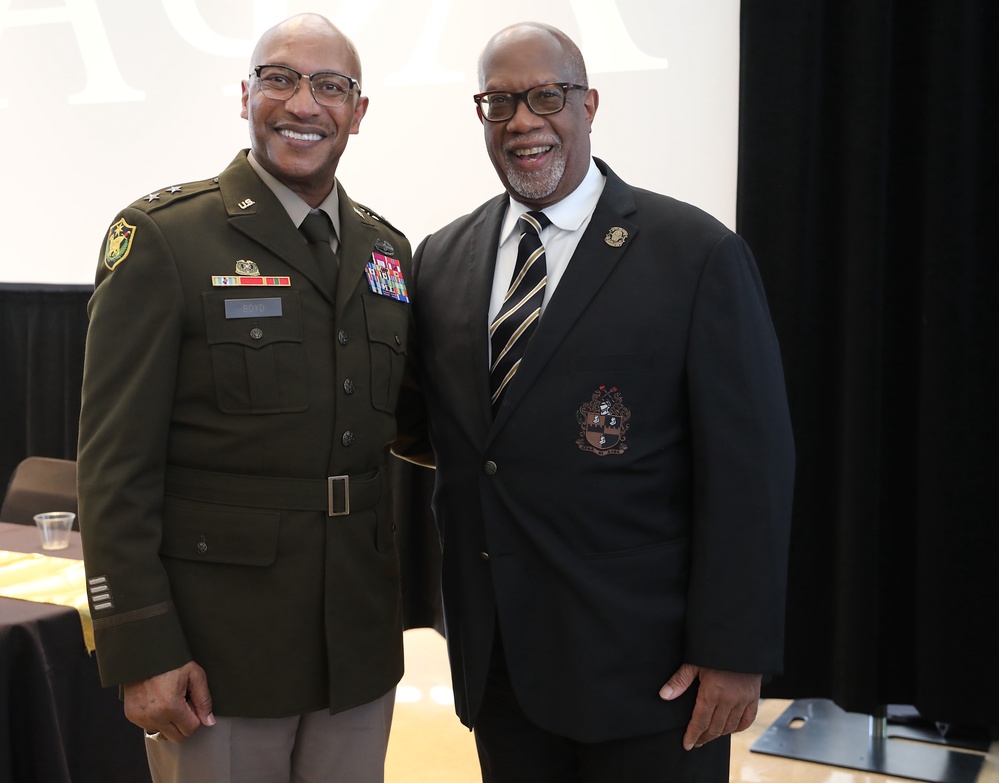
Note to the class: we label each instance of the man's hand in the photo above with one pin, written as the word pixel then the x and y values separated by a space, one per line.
pixel 174 704
pixel 726 702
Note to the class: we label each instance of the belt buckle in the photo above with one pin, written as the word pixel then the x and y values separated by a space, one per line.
pixel 331 483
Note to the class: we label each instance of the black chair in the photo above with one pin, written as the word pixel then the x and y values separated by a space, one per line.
pixel 40 484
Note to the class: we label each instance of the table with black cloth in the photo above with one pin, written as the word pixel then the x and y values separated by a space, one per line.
pixel 57 724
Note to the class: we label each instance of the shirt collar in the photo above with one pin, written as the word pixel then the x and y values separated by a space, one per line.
pixel 296 208
pixel 567 214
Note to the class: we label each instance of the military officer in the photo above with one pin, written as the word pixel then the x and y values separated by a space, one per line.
pixel 238 404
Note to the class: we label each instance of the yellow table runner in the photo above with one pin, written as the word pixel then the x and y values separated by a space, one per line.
pixel 48 580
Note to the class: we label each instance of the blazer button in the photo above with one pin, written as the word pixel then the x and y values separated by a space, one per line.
pixel 490 468
pixel 341 337
pixel 484 555
pixel 348 386
pixel 398 340
pixel 256 333
pixel 348 438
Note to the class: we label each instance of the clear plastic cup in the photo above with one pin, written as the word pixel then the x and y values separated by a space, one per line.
pixel 53 528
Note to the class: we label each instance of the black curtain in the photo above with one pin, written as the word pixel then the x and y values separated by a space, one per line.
pixel 42 335
pixel 866 189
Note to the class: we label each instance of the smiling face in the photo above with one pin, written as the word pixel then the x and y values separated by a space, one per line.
pixel 297 140
pixel 540 159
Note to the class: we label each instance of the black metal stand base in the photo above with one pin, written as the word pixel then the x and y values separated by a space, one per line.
pixel 819 731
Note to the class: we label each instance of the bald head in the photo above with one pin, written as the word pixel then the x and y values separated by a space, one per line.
pixel 525 33
pixel 306 28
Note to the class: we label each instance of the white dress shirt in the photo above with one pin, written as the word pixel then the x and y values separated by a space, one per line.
pixel 569 218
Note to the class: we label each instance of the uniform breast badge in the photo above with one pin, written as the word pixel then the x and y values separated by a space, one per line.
pixel 385 277
pixel 603 421
pixel 249 274
pixel 120 238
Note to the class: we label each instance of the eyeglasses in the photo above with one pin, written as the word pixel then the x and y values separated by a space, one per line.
pixel 497 106
pixel 329 88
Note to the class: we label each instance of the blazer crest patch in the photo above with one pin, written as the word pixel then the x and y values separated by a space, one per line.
pixel 603 420
pixel 120 237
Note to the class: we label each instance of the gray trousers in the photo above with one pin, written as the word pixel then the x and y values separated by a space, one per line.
pixel 348 747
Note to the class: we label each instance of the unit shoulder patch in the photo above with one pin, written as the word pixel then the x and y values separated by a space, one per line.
pixel 121 235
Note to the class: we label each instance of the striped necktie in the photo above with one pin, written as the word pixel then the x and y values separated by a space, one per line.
pixel 521 309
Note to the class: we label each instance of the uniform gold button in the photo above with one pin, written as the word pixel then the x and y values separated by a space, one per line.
pixel 348 386
pixel 484 555
pixel 256 333
pixel 490 468
pixel 348 438
pixel 342 337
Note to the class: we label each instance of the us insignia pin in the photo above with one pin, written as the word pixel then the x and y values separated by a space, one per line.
pixel 603 422
pixel 616 236
pixel 244 267
pixel 120 237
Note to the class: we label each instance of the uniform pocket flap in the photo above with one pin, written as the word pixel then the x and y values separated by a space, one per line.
pixel 219 534
pixel 387 322
pixel 252 332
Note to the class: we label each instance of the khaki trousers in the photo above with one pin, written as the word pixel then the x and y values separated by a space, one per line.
pixel 348 747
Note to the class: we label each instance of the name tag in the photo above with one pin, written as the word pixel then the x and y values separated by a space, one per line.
pixel 253 308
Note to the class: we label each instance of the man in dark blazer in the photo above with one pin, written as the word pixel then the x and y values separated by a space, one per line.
pixel 238 405
pixel 615 522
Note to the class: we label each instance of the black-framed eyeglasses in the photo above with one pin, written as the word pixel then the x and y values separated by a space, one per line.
pixel 329 88
pixel 497 106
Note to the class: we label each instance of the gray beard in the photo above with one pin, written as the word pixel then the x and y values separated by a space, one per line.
pixel 538 185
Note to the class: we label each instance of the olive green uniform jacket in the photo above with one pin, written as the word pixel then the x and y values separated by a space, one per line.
pixel 210 426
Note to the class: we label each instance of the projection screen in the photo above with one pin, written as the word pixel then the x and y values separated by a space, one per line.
pixel 106 101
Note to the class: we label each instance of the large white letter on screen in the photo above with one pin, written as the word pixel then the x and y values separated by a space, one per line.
pixel 104 82
pixel 608 46
pixel 423 67
pixel 185 17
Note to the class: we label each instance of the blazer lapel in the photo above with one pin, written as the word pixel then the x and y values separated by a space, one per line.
pixel 601 247
pixel 479 266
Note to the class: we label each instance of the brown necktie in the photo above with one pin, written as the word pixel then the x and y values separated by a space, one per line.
pixel 317 229
pixel 518 316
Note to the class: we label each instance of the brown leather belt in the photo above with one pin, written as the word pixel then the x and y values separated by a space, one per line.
pixel 336 495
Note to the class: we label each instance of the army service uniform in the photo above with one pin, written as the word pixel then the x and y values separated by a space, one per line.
pixel 234 502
